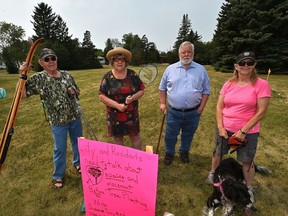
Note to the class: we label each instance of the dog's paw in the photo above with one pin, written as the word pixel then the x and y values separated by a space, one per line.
pixel 208 211
pixel 249 209
pixel 227 209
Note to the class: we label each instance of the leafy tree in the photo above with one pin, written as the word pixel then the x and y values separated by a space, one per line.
pixel 9 34
pixel 71 55
pixel 143 51
pixel 252 26
pixel 14 55
pixel 110 44
pixel 44 22
pixel 88 52
pixel 87 43
pixel 108 47
pixel 12 46
pixel 127 40
pixel 203 52
pixel 137 50
pixel 49 25
pixel 115 42
pixel 151 54
pixel 62 33
pixel 185 34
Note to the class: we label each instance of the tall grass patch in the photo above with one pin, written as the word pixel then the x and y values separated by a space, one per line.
pixel 26 185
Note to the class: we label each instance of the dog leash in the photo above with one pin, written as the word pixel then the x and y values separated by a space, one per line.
pixel 219 186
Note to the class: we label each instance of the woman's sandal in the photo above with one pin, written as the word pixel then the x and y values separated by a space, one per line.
pixel 78 168
pixel 58 183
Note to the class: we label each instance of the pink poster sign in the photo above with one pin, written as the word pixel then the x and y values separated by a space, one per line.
pixel 117 180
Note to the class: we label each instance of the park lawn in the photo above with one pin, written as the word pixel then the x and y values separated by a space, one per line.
pixel 26 187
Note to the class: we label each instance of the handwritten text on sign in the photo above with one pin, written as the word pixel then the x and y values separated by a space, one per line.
pixel 117 180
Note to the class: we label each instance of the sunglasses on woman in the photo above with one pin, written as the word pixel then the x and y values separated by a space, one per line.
pixel 48 58
pixel 118 59
pixel 248 63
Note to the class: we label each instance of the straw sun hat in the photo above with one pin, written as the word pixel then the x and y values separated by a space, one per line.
pixel 119 51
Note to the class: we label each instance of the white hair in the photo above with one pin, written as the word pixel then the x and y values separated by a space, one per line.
pixel 183 44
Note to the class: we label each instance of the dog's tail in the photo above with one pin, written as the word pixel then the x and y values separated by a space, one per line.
pixel 263 170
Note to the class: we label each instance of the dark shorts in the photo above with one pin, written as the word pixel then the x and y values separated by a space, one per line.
pixel 245 154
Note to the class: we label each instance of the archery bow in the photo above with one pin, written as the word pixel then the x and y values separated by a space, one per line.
pixel 9 126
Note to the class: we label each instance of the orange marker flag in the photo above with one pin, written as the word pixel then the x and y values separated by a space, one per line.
pixel 269 71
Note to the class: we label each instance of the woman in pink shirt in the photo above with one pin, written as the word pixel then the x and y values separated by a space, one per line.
pixel 242 103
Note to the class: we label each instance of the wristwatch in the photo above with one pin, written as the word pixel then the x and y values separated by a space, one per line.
pixel 244 133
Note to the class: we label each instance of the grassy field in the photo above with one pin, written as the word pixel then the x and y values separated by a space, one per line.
pixel 25 180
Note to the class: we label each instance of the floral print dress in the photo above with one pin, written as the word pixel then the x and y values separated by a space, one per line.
pixel 127 122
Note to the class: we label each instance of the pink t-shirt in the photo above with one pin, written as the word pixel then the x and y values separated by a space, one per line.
pixel 240 104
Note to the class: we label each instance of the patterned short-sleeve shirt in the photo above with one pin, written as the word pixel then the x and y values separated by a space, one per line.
pixel 122 123
pixel 61 108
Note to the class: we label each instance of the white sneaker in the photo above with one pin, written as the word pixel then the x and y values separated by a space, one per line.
pixel 251 192
pixel 210 177
pixel 251 206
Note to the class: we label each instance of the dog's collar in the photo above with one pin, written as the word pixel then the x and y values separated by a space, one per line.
pixel 219 185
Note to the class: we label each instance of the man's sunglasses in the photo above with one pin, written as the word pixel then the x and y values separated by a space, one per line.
pixel 248 63
pixel 52 58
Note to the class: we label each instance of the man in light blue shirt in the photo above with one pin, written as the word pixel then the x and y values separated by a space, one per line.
pixel 186 85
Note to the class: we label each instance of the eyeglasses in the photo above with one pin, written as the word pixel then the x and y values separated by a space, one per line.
pixel 52 58
pixel 248 63
pixel 122 59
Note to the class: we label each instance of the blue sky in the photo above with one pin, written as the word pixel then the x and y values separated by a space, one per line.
pixel 159 20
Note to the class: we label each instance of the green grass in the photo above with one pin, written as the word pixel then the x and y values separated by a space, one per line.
pixel 26 187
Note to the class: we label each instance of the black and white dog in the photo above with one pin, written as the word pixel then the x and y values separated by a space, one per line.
pixel 230 189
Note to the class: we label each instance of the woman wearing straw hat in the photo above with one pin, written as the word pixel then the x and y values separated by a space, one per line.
pixel 120 90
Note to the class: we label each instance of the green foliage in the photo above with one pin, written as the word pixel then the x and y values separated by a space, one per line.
pixel 26 187
pixel 9 34
pixel 10 63
pixel 136 47
pixel 44 21
pixel 142 50
pixel 108 46
pixel 49 25
pixel 88 54
pixel 87 43
pixel 252 26
pixel 70 54
pixel 12 46
pixel 203 52
pixel 186 33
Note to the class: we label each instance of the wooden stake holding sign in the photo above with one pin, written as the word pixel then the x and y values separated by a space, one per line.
pixel 149 149
pixel 9 126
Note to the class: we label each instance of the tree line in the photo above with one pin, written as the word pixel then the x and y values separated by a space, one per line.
pixel 242 26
